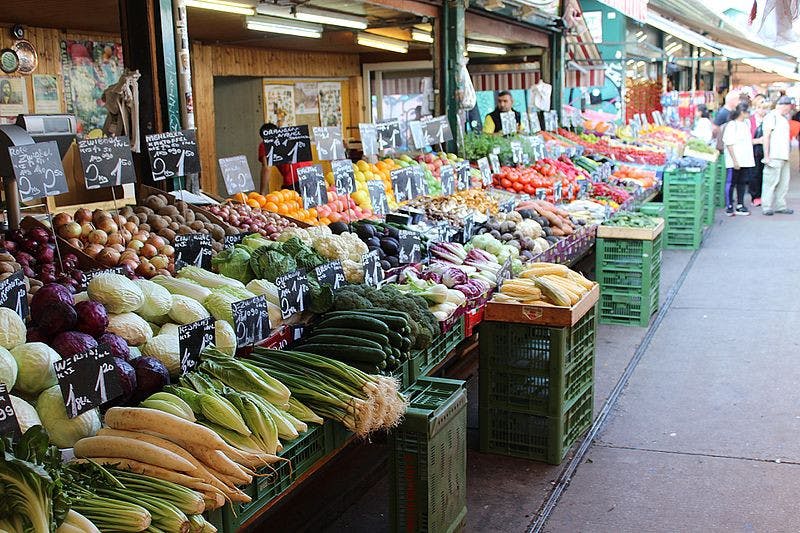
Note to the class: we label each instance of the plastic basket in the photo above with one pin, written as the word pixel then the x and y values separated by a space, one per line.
pixel 532 436
pixel 535 369
pixel 627 254
pixel 719 184
pixel 629 308
pixel 629 281
pixel 428 468
pixel 439 349
pixel 216 519
pixel 683 239
pixel 653 209
pixel 683 222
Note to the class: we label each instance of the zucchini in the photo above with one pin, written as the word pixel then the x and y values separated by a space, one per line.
pixel 380 338
pixel 341 340
pixel 395 323
pixel 360 354
pixel 356 321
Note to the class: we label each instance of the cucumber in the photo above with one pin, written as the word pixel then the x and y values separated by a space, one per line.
pixel 341 340
pixel 395 338
pixel 355 321
pixel 395 323
pixel 359 354
pixel 380 338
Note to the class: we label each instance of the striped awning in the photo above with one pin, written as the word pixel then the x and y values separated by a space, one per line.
pixel 414 85
pixel 585 67
pixel 636 9
pixel 505 81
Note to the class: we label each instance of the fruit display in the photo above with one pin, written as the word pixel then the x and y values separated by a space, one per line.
pixel 609 194
pixel 627 175
pixel 544 174
pixel 286 202
pixel 252 219
pixel 454 208
pixel 545 284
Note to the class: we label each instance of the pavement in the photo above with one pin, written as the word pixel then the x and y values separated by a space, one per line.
pixel 703 436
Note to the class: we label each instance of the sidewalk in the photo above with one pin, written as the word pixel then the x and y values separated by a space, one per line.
pixel 705 435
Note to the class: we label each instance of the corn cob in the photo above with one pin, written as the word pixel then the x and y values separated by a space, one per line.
pixel 554 292
pixel 542 269
pixel 579 279
pixel 574 292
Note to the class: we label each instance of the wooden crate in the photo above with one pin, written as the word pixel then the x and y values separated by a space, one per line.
pixel 637 234
pixel 542 315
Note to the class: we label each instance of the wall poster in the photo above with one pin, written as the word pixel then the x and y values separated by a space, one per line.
pixel 13 97
pixel 330 104
pixel 306 98
pixel 45 94
pixel 279 101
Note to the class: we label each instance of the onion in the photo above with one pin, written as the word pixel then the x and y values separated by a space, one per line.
pixel 98 214
pixel 118 247
pixel 108 257
pixel 157 241
pixel 76 243
pixel 168 250
pixel 114 238
pixel 148 251
pixel 70 230
pixel 107 225
pixel 163 272
pixel 83 215
pixel 98 236
pixel 132 227
pixel 93 249
pixel 119 220
pixel 146 269
pixel 126 235
pixel 159 261
pixel 86 229
pixel 141 235
pixel 129 255
pixel 60 219
pixel 135 245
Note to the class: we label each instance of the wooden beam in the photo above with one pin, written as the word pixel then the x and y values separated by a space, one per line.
pixel 408 6
pixel 504 29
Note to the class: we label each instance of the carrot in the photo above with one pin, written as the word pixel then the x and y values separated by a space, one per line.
pixel 126 448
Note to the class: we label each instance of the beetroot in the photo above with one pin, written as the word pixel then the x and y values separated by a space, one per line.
pixel 116 345
pixel 92 318
pixel 57 317
pixel 52 292
pixel 69 343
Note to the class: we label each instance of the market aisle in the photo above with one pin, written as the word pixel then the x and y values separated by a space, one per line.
pixel 704 437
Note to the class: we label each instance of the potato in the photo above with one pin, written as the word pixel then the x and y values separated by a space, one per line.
pixel 179 219
pixel 167 220
pixel 126 211
pixel 185 230
pixel 142 218
pixel 207 225
pixel 174 226
pixel 168 210
pixel 189 216
pixel 157 224
pixel 217 233
pixel 143 209
pixel 6 268
pixel 197 225
pixel 155 202
pixel 168 234
pixel 35 283
pixel 181 206
pixel 217 246
pixel 230 230
pixel 133 218
pixel 204 231
pixel 5 256
pixel 144 227
pixel 201 217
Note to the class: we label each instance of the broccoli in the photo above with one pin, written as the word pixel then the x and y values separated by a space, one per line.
pixel 350 301
pixel 321 297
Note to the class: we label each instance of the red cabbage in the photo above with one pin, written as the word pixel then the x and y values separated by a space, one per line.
pixel 116 345
pixel 92 318
pixel 56 317
pixel 71 342
pixel 50 293
pixel 127 378
pixel 151 377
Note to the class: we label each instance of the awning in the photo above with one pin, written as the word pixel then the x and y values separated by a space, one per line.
pixel 636 9
pixel 785 69
pixel 585 66
pixel 505 81
pixel 682 33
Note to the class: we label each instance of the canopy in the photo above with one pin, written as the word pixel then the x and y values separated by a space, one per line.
pixel 585 67
pixel 682 33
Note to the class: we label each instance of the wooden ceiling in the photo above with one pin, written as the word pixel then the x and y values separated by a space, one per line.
pixel 91 16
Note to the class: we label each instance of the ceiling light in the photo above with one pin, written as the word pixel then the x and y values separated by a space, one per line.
pixel 493 5
pixel 383 43
pixel 276 25
pixel 481 48
pixel 310 14
pixel 421 36
pixel 222 5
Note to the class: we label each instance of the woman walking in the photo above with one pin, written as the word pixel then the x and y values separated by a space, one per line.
pixel 738 158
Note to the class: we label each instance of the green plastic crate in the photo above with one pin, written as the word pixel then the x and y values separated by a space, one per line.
pixel 709 210
pixel 302 453
pixel 653 209
pixel 535 369
pixel 683 239
pixel 627 280
pixel 216 518
pixel 440 348
pixel 681 222
pixel 538 437
pixel 628 307
pixel 719 183
pixel 627 254
pixel 428 465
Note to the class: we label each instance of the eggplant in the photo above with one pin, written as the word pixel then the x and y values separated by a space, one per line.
pixel 390 246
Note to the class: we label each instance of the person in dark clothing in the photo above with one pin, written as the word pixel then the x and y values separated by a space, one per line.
pixel 757 172
pixel 505 103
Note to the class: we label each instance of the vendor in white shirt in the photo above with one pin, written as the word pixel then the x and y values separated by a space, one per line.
pixel 703 127
pixel 739 158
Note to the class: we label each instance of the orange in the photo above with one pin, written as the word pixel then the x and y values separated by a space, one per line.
pixel 253 203
pixel 271 206
pixel 283 209
pixel 240 197
pixel 274 198
pixel 253 195
pixel 325 221
pixel 312 213
pixel 262 201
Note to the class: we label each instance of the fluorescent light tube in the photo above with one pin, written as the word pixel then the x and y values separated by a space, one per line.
pixel 286 27
pixel 237 8
pixel 321 16
pixel 421 36
pixel 382 43
pixel 480 48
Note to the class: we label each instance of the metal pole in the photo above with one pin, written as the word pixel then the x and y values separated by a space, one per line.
pixel 11 192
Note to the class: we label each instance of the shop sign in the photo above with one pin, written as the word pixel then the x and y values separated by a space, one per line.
pixel 369 139
pixel 173 154
pixel 106 162
pixel 447 176
pixel 437 130
pixel 311 182
pixel 87 380
pixel 377 197
pixel 344 178
pixel 14 295
pixel 291 144
pixel 38 170
pixel 236 174
pixel 250 320
pixel 486 171
pixel 388 134
pixel 293 293
pixel 192 340
pixel 231 240
pixel 329 143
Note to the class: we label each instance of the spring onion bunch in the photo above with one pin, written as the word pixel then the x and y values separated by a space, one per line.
pixel 362 402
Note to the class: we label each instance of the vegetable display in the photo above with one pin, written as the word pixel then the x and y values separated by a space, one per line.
pixel 545 284
pixel 631 219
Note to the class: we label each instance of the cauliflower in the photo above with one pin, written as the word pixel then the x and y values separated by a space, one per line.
pixel 529 228
pixel 300 233
pixel 341 247
pixel 353 271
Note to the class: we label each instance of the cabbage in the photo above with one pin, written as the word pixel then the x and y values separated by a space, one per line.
pixel 70 343
pixel 12 329
pixel 157 300
pixel 135 353
pixel 116 292
pixel 81 297
pixel 27 417
pixel 166 349
pixel 64 432
pixel 8 369
pixel 169 329
pixel 185 310
pixel 224 337
pixel 233 262
pixel 35 363
pixel 131 327
pixel 266 288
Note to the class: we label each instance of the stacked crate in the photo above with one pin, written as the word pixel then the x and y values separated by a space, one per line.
pixel 720 175
pixel 628 269
pixel 428 469
pixel 684 202
pixel 711 191
pixel 536 387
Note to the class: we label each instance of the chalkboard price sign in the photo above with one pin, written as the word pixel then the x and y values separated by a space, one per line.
pixel 401 182
pixel 192 340
pixel 583 188
pixel 293 292
pixel 462 169
pixel 250 320
pixel 504 273
pixel 91 274
pixel 494 162
pixel 486 171
pixel 236 174
pixel 388 133
pixel 508 122
pixel 369 139
pixel 331 274
pixel 291 144
pixel 516 152
pixel 541 193
pixel 417 135
pixel 311 181
pixel 418 183
pixel 193 249
pixel 344 177
pixel 377 197
pixel 447 175
pixel 173 154
pixel 507 206
pixel 14 295
pixel 329 143
pixel 231 240
pixel 8 418
pixel 87 380
pixel 557 192
pixel 38 170
pixel 373 272
pixel 437 130
pixel 534 126
pixel 410 247
pixel 107 162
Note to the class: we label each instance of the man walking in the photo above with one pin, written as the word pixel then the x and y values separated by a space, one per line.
pixel 776 158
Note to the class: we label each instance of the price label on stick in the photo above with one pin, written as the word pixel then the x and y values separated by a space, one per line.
pixel 369 139
pixel 232 240
pixel 468 229
pixel 388 133
pixel 507 206
pixel 9 426
pixel 418 138
pixel 377 197
pixel 291 144
pixel 402 184
pixel 38 170
pixel 447 176
pixel 344 178
pixel 494 162
pixel 329 143
pixel 541 193
pixel 192 340
pixel 486 171
pixel 410 247
pixel 311 182
pixel 557 192
pixel 516 152
pixel 583 189
pixel 508 122
pixel 533 122
pixel 331 274
pixel 504 273
pixel 106 162
pixel 14 295
pixel 293 292
pixel 173 154
pixel 87 380
pixel 236 174
pixel 462 169
pixel 418 184
pixel 437 130
pixel 373 272
pixel 250 320
pixel 193 249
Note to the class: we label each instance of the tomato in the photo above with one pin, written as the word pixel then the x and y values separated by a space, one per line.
pixel 505 183
pixel 530 189
pixel 518 186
